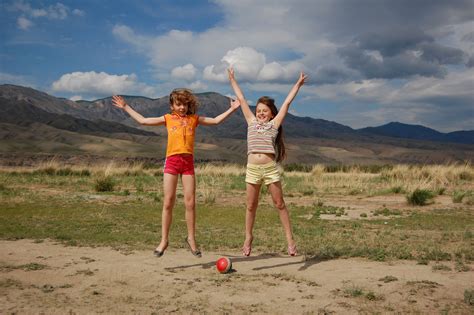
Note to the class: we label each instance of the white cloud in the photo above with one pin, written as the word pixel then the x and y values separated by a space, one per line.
pixel 57 11
pixel 212 74
pixel 78 12
pixel 38 12
pixel 23 23
pixel 247 62
pixel 101 84
pixel 186 72
pixel 76 98
pixel 250 66
pixel 7 78
pixel 198 86
pixel 128 35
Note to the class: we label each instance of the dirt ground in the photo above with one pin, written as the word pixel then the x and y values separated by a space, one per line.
pixel 50 278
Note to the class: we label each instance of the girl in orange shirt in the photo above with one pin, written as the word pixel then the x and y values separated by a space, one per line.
pixel 181 125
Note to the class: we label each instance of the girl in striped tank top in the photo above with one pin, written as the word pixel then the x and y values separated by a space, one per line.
pixel 265 148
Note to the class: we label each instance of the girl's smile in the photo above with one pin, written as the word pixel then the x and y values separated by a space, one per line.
pixel 263 113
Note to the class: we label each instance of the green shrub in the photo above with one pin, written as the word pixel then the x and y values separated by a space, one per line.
pixel 420 197
pixel 458 196
pixel 397 190
pixel 387 212
pixel 296 167
pixel 469 296
pixel 105 183
pixel 465 175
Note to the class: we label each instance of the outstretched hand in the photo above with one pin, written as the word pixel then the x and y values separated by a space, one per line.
pixel 118 101
pixel 230 72
pixel 234 104
pixel 302 79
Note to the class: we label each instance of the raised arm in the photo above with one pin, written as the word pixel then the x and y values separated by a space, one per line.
pixel 207 121
pixel 119 102
pixel 240 96
pixel 278 120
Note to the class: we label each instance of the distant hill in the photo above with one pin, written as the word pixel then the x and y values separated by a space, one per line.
pixel 33 122
pixel 23 114
pixel 399 130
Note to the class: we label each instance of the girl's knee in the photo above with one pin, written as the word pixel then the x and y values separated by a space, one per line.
pixel 252 207
pixel 280 204
pixel 190 206
pixel 168 205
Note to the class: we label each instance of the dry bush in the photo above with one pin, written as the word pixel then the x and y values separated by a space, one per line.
pixel 220 170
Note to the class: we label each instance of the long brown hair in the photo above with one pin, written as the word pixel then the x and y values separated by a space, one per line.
pixel 279 143
pixel 184 96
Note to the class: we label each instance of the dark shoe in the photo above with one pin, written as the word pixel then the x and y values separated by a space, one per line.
pixel 159 253
pixel 196 252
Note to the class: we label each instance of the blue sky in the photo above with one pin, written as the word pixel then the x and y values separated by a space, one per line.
pixel 370 62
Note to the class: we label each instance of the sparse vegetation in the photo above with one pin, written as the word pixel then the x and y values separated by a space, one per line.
pixel 420 197
pixel 104 183
pixel 386 212
pixel 458 196
pixel 128 213
pixel 388 279
pixel 441 267
pixel 469 296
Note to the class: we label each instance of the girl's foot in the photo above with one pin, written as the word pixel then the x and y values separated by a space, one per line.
pixel 292 250
pixel 247 248
pixel 160 250
pixel 196 252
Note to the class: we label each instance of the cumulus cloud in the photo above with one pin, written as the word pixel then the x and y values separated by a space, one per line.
pixel 198 86
pixel 101 84
pixel 251 66
pixel 186 72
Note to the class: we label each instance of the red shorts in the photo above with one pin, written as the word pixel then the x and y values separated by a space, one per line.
pixel 179 164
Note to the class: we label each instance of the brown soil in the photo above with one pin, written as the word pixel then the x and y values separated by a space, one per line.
pixel 46 277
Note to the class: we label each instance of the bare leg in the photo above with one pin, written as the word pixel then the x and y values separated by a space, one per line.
pixel 277 197
pixel 253 191
pixel 170 182
pixel 189 190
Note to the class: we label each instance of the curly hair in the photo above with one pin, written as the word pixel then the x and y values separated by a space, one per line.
pixel 184 96
pixel 279 143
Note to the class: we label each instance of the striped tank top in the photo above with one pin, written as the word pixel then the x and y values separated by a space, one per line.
pixel 261 137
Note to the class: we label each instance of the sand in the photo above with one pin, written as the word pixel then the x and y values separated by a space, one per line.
pixel 50 278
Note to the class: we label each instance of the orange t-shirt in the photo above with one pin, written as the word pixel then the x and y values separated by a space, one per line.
pixel 181 131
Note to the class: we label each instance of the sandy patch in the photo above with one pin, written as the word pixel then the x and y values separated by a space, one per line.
pixel 55 279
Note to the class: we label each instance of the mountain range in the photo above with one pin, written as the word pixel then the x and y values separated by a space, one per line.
pixel 34 123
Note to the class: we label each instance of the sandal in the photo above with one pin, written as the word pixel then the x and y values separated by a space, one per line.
pixel 196 252
pixel 159 253
pixel 292 250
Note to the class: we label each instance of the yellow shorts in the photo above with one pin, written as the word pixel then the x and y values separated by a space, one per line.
pixel 262 173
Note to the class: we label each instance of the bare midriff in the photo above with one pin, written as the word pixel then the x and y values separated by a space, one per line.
pixel 260 158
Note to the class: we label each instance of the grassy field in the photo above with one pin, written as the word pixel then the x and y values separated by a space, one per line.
pixel 422 213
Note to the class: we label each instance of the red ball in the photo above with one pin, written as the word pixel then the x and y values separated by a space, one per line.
pixel 223 265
